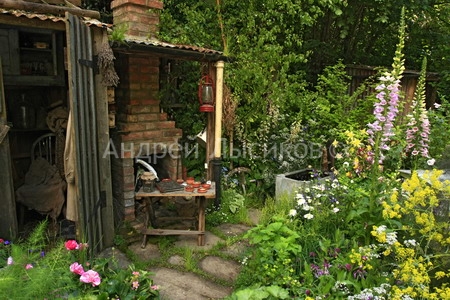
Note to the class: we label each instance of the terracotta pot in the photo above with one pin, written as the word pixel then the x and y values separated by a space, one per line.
pixel 201 190
pixel 206 186
pixel 190 180
pixel 196 184
pixel 189 188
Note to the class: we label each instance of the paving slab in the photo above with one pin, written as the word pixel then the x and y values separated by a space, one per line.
pixel 227 270
pixel 232 230
pixel 191 241
pixel 176 285
pixel 151 251
pixel 254 215
pixel 122 260
pixel 176 260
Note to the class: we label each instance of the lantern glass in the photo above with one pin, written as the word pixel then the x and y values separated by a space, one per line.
pixel 207 94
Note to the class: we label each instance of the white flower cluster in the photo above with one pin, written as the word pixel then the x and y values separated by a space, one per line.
pixel 321 195
pixel 375 293
pixel 341 286
pixel 303 203
pixel 410 243
pixel 370 251
pixel 391 237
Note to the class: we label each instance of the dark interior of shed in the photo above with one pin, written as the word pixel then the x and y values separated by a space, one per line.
pixel 35 89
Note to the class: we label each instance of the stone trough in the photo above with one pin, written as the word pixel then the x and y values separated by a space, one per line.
pixel 288 183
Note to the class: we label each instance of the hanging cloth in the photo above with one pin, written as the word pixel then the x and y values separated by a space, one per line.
pixel 69 172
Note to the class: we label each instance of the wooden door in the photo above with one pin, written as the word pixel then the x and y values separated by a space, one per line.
pixel 91 135
pixel 8 219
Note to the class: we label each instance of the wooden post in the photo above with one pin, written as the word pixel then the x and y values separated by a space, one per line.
pixel 8 219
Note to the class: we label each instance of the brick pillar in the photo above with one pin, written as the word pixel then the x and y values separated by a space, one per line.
pixel 141 128
pixel 140 17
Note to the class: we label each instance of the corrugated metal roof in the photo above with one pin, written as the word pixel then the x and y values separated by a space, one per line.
pixel 157 43
pixel 49 17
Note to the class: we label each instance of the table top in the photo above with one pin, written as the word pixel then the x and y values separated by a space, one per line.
pixel 210 193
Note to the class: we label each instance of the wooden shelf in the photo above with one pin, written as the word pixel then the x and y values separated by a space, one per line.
pixel 20 155
pixel 28 130
pixel 47 50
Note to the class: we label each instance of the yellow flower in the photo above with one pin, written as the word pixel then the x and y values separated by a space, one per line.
pixel 349 134
pixel 440 275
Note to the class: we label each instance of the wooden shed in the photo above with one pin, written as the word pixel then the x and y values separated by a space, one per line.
pixel 54 120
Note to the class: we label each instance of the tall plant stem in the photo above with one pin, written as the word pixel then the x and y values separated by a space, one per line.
pixel 222 31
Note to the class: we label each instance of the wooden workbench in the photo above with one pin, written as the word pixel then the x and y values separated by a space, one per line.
pixel 149 199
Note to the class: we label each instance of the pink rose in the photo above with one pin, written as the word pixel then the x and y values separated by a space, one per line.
pixel 29 266
pixel 91 277
pixel 76 268
pixel 71 245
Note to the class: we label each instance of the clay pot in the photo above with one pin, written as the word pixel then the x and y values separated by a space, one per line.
pixel 180 181
pixel 196 184
pixel 206 186
pixel 190 180
pixel 201 190
pixel 189 188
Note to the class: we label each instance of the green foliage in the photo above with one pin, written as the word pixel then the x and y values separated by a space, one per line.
pixel 440 130
pixel 275 247
pixel 284 74
pixel 118 34
pixel 37 270
pixel 271 292
pixel 232 209
pixel 43 272
pixel 127 283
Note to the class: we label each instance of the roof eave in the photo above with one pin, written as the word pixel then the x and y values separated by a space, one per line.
pixel 185 54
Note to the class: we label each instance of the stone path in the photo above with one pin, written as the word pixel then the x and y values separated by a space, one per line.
pixel 175 284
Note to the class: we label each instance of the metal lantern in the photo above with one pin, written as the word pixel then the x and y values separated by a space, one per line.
pixel 206 94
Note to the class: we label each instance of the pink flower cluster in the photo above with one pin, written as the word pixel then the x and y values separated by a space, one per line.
pixel 89 276
pixel 418 130
pixel 385 112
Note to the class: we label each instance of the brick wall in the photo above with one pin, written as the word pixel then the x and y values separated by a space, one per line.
pixel 141 129
pixel 140 17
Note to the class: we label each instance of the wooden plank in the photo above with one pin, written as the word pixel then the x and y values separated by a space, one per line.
pixel 100 38
pixel 58 2
pixel 8 219
pixel 211 193
pixel 172 232
pixel 175 218
pixel 48 9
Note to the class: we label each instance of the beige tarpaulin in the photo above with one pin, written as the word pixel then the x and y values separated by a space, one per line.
pixel 43 189
pixel 69 171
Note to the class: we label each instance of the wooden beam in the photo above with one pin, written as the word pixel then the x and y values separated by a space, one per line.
pixel 47 8
pixel 57 2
